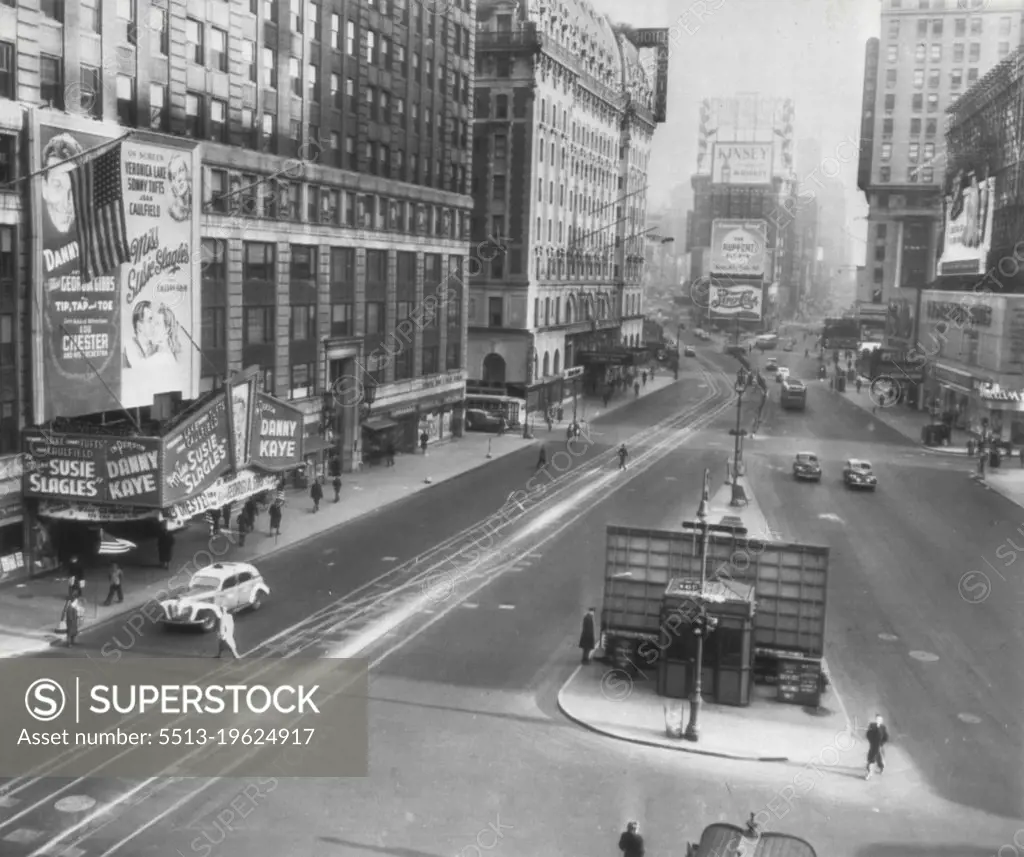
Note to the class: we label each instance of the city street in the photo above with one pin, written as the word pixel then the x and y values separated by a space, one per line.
pixel 467 748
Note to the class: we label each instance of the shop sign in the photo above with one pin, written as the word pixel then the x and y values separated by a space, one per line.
pixel 405 410
pixel 994 393
pixel 738 248
pixel 277 435
pixel 94 514
pixel 574 372
pixel 235 489
pixel 196 453
pixel 960 314
pixel 94 468
pixel 11 563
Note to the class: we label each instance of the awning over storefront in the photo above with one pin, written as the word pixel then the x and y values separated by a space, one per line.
pixel 378 424
pixel 616 357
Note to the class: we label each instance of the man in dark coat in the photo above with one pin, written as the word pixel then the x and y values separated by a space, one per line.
pixel 317 493
pixel 275 518
pixel 165 548
pixel 588 636
pixel 76 576
pixel 878 737
pixel 631 843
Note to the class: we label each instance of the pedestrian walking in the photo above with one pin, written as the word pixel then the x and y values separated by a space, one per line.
pixel 275 518
pixel 226 634
pixel 76 576
pixel 501 425
pixel 561 413
pixel 623 456
pixel 631 843
pixel 226 515
pixel 644 376
pixel 251 510
pixel 551 424
pixel 245 524
pixel 652 374
pixel 878 737
pixel 424 440
pixel 317 493
pixel 116 578
pixel 588 635
pixel 337 489
pixel 859 384
pixel 165 548
pixel 391 453
pixel 607 397
pixel 1020 452
pixel 636 389
pixel 542 458
pixel 74 613
pixel 213 518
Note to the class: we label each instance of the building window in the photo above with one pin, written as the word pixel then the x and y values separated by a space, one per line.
pixel 158 107
pixel 218 49
pixel 892 53
pixel 249 60
pixel 336 97
pixel 915 126
pixel 890 78
pixel 303 263
pixel 933 78
pixel 313 19
pixel 886 153
pixel 935 53
pixel 350 38
pixel 126 113
pixel 499 189
pixel 881 231
pixel 217 196
pixel 920 52
pixel 295 75
pixel 91 95
pixel 342 319
pixel 958 53
pixel 976 26
pixel 90 15
pixel 303 380
pixel 913 153
pixel 453 355
pixel 917 102
pixel 930 127
pixel 495 315
pixel 501 107
pixel 922 27
pixel 890 104
pixel 213 336
pixel 8 172
pixel 956 78
pixel 193 115
pixel 929 152
pixel 933 102
pixel 194 40
pixel 884 174
pixel 975 52
pixel 7 65
pixel 336 31
pixel 927 174
pixel 972 75
pixel 52 9
pixel 960 27
pixel 375 318
pixel 937 27
pixel 371 47
pixel 312 87
pixel 270 68
pixel 51 81
pixel 500 147
pixel 259 262
pixel 303 322
pixel 1004 50
pixel 258 325
pixel 912 175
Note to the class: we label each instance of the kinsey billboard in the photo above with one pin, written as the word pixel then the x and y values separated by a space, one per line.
pixel 741 163
pixel 736 300
pixel 738 248
pixel 96 469
pixel 196 453
pixel 117 340
pixel 277 434
pixel 967 230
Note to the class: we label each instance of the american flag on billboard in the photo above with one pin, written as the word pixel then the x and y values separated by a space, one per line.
pixel 99 212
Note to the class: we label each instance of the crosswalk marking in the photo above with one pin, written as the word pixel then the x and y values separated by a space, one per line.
pixel 23 836
pixel 8 802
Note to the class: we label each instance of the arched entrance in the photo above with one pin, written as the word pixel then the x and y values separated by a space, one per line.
pixel 558 362
pixel 547 365
pixel 494 369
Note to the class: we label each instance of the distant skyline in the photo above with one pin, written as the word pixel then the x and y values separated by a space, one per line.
pixel 809 50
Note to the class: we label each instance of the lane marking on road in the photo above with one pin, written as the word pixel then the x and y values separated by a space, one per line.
pixel 506 606
pixel 889 638
pixel 469 605
pixel 969 718
pixel 389 559
pixel 926 657
pixel 75 803
pixel 8 802
pixel 23 836
pixel 831 516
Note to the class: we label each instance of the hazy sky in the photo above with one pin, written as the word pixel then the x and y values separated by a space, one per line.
pixel 809 50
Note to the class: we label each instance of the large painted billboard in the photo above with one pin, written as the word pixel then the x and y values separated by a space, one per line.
pixel 741 163
pixel 735 300
pixel 197 453
pixel 120 339
pixel 738 248
pixel 967 227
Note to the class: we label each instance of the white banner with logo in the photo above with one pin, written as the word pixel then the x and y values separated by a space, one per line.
pixel 234 489
pixel 744 302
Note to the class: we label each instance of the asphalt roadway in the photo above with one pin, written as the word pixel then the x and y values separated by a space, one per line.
pixel 468 753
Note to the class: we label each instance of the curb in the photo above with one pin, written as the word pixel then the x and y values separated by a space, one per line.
pixel 618 736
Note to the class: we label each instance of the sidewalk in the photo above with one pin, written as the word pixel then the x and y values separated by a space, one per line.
pixel 899 417
pixel 1007 480
pixel 30 609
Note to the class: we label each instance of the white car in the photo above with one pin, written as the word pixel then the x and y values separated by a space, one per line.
pixel 230 586
pixel 781 374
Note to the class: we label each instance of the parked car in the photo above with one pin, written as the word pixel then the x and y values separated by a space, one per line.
pixel 807 466
pixel 689 351
pixel 230 586
pixel 859 474
pixel 480 420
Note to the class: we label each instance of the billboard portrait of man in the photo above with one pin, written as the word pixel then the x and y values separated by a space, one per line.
pixel 58 162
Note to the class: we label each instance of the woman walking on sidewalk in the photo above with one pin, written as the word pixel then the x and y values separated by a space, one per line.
pixel 275 518
pixel 317 493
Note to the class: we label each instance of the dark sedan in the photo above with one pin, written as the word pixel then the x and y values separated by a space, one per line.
pixel 807 466
pixel 859 474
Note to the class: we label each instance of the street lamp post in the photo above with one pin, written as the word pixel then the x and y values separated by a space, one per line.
pixel 742 382
pixel 702 623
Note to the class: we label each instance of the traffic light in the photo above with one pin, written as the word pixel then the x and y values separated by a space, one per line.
pixel 704 625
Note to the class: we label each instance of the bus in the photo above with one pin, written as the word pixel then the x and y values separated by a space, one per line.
pixel 509 407
pixel 794 395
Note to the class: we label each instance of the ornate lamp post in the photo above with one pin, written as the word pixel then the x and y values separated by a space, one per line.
pixel 743 380
pixel 703 624
pixel 367 396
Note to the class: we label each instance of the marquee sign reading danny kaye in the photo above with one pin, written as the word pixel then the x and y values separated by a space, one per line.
pixel 96 469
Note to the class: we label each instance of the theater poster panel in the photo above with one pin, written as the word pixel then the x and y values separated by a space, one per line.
pixel 120 339
pixel 197 453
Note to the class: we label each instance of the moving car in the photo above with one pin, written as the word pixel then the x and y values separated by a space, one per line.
pixel 689 351
pixel 481 420
pixel 807 466
pixel 788 346
pixel 230 586
pixel 772 365
pixel 781 374
pixel 858 474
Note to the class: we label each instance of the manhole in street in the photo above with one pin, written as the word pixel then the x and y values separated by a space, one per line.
pixel 75 803
pixel 927 657
pixel 969 718
pixel 889 638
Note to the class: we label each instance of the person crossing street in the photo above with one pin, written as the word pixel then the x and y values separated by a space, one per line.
pixel 226 634
pixel 878 737
pixel 623 456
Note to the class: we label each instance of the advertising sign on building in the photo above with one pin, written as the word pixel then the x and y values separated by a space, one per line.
pixel 99 470
pixel 232 489
pixel 741 163
pixel 967 226
pixel 730 299
pixel 243 402
pixel 196 453
pixel 277 434
pixel 125 336
pixel 738 248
